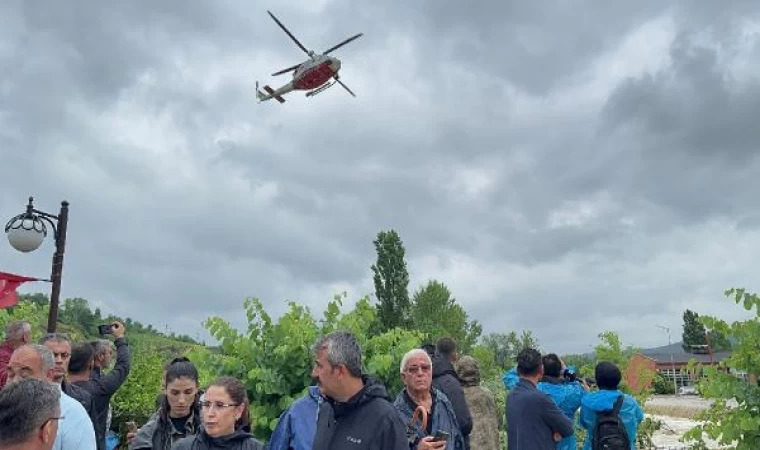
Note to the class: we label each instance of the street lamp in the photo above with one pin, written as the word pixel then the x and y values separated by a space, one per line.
pixel 672 362
pixel 26 232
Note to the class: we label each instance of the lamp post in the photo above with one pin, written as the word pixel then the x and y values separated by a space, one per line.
pixel 672 362
pixel 26 232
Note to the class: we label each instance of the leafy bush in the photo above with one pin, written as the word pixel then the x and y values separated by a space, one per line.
pixel 732 418
pixel 274 360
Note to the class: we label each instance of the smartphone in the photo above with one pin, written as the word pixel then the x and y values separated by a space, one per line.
pixel 105 329
pixel 440 435
pixel 131 427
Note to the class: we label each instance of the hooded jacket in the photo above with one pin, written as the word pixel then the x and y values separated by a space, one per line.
pixel 297 425
pixel 239 440
pixel 445 380
pixel 367 421
pixel 631 413
pixel 482 405
pixel 567 396
pixel 159 432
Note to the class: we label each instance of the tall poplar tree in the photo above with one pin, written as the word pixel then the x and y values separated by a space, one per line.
pixel 391 281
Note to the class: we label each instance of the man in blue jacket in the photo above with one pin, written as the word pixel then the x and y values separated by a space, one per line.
pixel 298 424
pixel 534 422
pixel 608 378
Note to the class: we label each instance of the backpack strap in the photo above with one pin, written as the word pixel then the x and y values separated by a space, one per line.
pixel 618 405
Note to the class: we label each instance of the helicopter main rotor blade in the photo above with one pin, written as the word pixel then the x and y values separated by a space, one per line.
pixel 289 33
pixel 289 69
pixel 343 43
pixel 345 87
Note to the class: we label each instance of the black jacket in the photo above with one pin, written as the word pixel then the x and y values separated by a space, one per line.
pixel 367 421
pixel 445 380
pixel 102 388
pixel 532 417
pixel 82 396
pixel 239 440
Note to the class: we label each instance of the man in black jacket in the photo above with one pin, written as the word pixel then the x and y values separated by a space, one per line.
pixel 103 388
pixel 534 421
pixel 60 345
pixel 445 379
pixel 357 413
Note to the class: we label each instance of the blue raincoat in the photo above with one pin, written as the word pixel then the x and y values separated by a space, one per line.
pixel 567 397
pixel 630 413
pixel 298 424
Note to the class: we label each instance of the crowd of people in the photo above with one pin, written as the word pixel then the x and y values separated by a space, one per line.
pixel 55 394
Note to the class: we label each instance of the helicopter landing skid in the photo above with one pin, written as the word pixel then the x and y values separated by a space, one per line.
pixel 320 89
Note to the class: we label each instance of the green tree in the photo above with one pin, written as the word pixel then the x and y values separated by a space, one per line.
pixel 391 281
pixel 436 314
pixel 693 335
pixel 732 418
pixel 274 359
pixel 506 346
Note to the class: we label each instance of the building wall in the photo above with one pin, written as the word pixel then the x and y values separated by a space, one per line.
pixel 638 365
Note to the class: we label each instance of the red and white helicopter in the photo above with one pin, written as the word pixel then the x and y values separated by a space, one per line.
pixel 313 75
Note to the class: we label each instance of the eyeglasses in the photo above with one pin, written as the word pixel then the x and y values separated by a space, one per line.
pixel 218 405
pixel 59 418
pixel 425 368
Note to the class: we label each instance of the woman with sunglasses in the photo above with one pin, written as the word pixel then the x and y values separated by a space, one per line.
pixel 226 421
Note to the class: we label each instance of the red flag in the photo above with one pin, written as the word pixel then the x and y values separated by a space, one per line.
pixel 8 284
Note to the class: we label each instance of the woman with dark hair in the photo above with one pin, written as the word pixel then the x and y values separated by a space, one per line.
pixel 226 421
pixel 179 413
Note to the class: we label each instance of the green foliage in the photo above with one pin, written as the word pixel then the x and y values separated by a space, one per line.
pixel 436 314
pixel 732 418
pixel 136 398
pixel 505 347
pixel 663 386
pixel 391 282
pixel 694 333
pixel 611 349
pixel 274 359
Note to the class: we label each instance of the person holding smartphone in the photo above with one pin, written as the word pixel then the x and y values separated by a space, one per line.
pixel 439 430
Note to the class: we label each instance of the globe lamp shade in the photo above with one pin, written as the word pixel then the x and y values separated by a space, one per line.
pixel 27 237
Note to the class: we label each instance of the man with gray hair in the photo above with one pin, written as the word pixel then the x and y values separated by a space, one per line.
pixel 60 345
pixel 17 333
pixel 357 413
pixel 35 361
pixel 29 414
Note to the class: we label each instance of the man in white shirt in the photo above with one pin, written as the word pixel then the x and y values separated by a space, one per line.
pixel 75 430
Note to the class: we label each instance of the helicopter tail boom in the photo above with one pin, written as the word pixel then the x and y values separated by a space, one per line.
pixel 272 94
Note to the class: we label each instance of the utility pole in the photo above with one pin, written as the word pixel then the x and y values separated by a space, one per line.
pixel 672 361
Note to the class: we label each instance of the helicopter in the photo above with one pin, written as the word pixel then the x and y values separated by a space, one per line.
pixel 312 75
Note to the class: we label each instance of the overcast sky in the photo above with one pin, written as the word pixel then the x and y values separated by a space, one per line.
pixel 563 168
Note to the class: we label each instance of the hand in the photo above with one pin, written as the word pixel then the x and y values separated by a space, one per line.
pixel 131 436
pixel 118 330
pixel 556 436
pixel 427 443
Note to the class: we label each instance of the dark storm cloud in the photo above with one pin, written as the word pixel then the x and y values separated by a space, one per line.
pixel 516 168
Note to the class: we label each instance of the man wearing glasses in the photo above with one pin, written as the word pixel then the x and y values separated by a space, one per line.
pixel 37 362
pixel 29 414
pixel 60 345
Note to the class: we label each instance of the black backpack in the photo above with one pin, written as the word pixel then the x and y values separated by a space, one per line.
pixel 609 430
